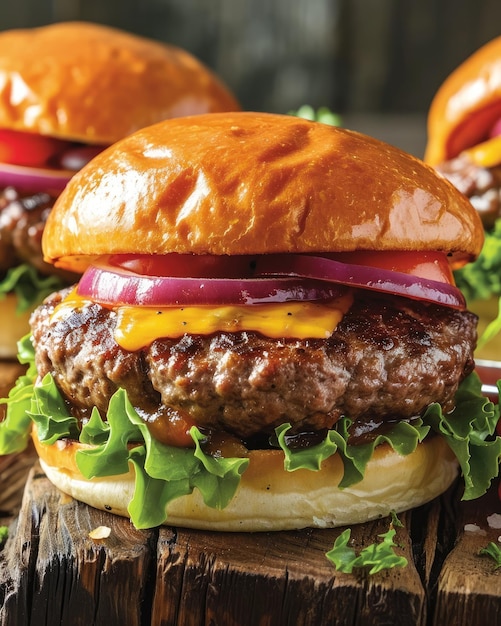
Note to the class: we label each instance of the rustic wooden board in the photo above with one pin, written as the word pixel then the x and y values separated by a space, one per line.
pixel 281 578
pixel 469 585
pixel 52 572
pixel 55 574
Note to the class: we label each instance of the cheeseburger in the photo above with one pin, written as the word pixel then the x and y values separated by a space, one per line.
pixel 67 91
pixel 266 334
pixel 464 144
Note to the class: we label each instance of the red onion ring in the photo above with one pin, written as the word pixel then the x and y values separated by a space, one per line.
pixel 362 276
pixel 495 130
pixel 33 178
pixel 116 287
pixel 275 278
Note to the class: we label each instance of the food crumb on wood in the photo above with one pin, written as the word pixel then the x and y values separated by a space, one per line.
pixel 494 520
pixel 473 528
pixel 101 532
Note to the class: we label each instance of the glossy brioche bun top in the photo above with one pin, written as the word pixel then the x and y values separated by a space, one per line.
pixel 466 105
pixel 255 183
pixel 91 83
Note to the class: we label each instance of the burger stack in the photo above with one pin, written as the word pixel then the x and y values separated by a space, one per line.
pixel 266 334
pixel 67 91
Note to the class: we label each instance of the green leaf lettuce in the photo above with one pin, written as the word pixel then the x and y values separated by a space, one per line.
pixel 164 473
pixel 376 557
pixel 29 286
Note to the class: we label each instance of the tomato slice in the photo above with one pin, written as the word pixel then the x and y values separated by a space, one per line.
pixel 426 264
pixel 429 265
pixel 474 129
pixel 19 148
pixel 185 265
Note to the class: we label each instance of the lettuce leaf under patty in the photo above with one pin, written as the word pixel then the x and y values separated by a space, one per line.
pixel 164 473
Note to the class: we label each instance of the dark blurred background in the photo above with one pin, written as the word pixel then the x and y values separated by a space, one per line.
pixel 378 62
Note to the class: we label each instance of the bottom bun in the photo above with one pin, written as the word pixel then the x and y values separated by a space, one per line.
pixel 14 326
pixel 270 498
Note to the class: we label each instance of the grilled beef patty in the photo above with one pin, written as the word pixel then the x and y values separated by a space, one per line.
pixel 388 359
pixel 22 220
pixel 481 185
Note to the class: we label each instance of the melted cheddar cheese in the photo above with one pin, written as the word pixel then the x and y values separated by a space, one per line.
pixel 138 327
pixel 486 154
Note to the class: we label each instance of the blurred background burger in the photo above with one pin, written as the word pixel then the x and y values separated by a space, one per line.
pixel 464 144
pixel 67 91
